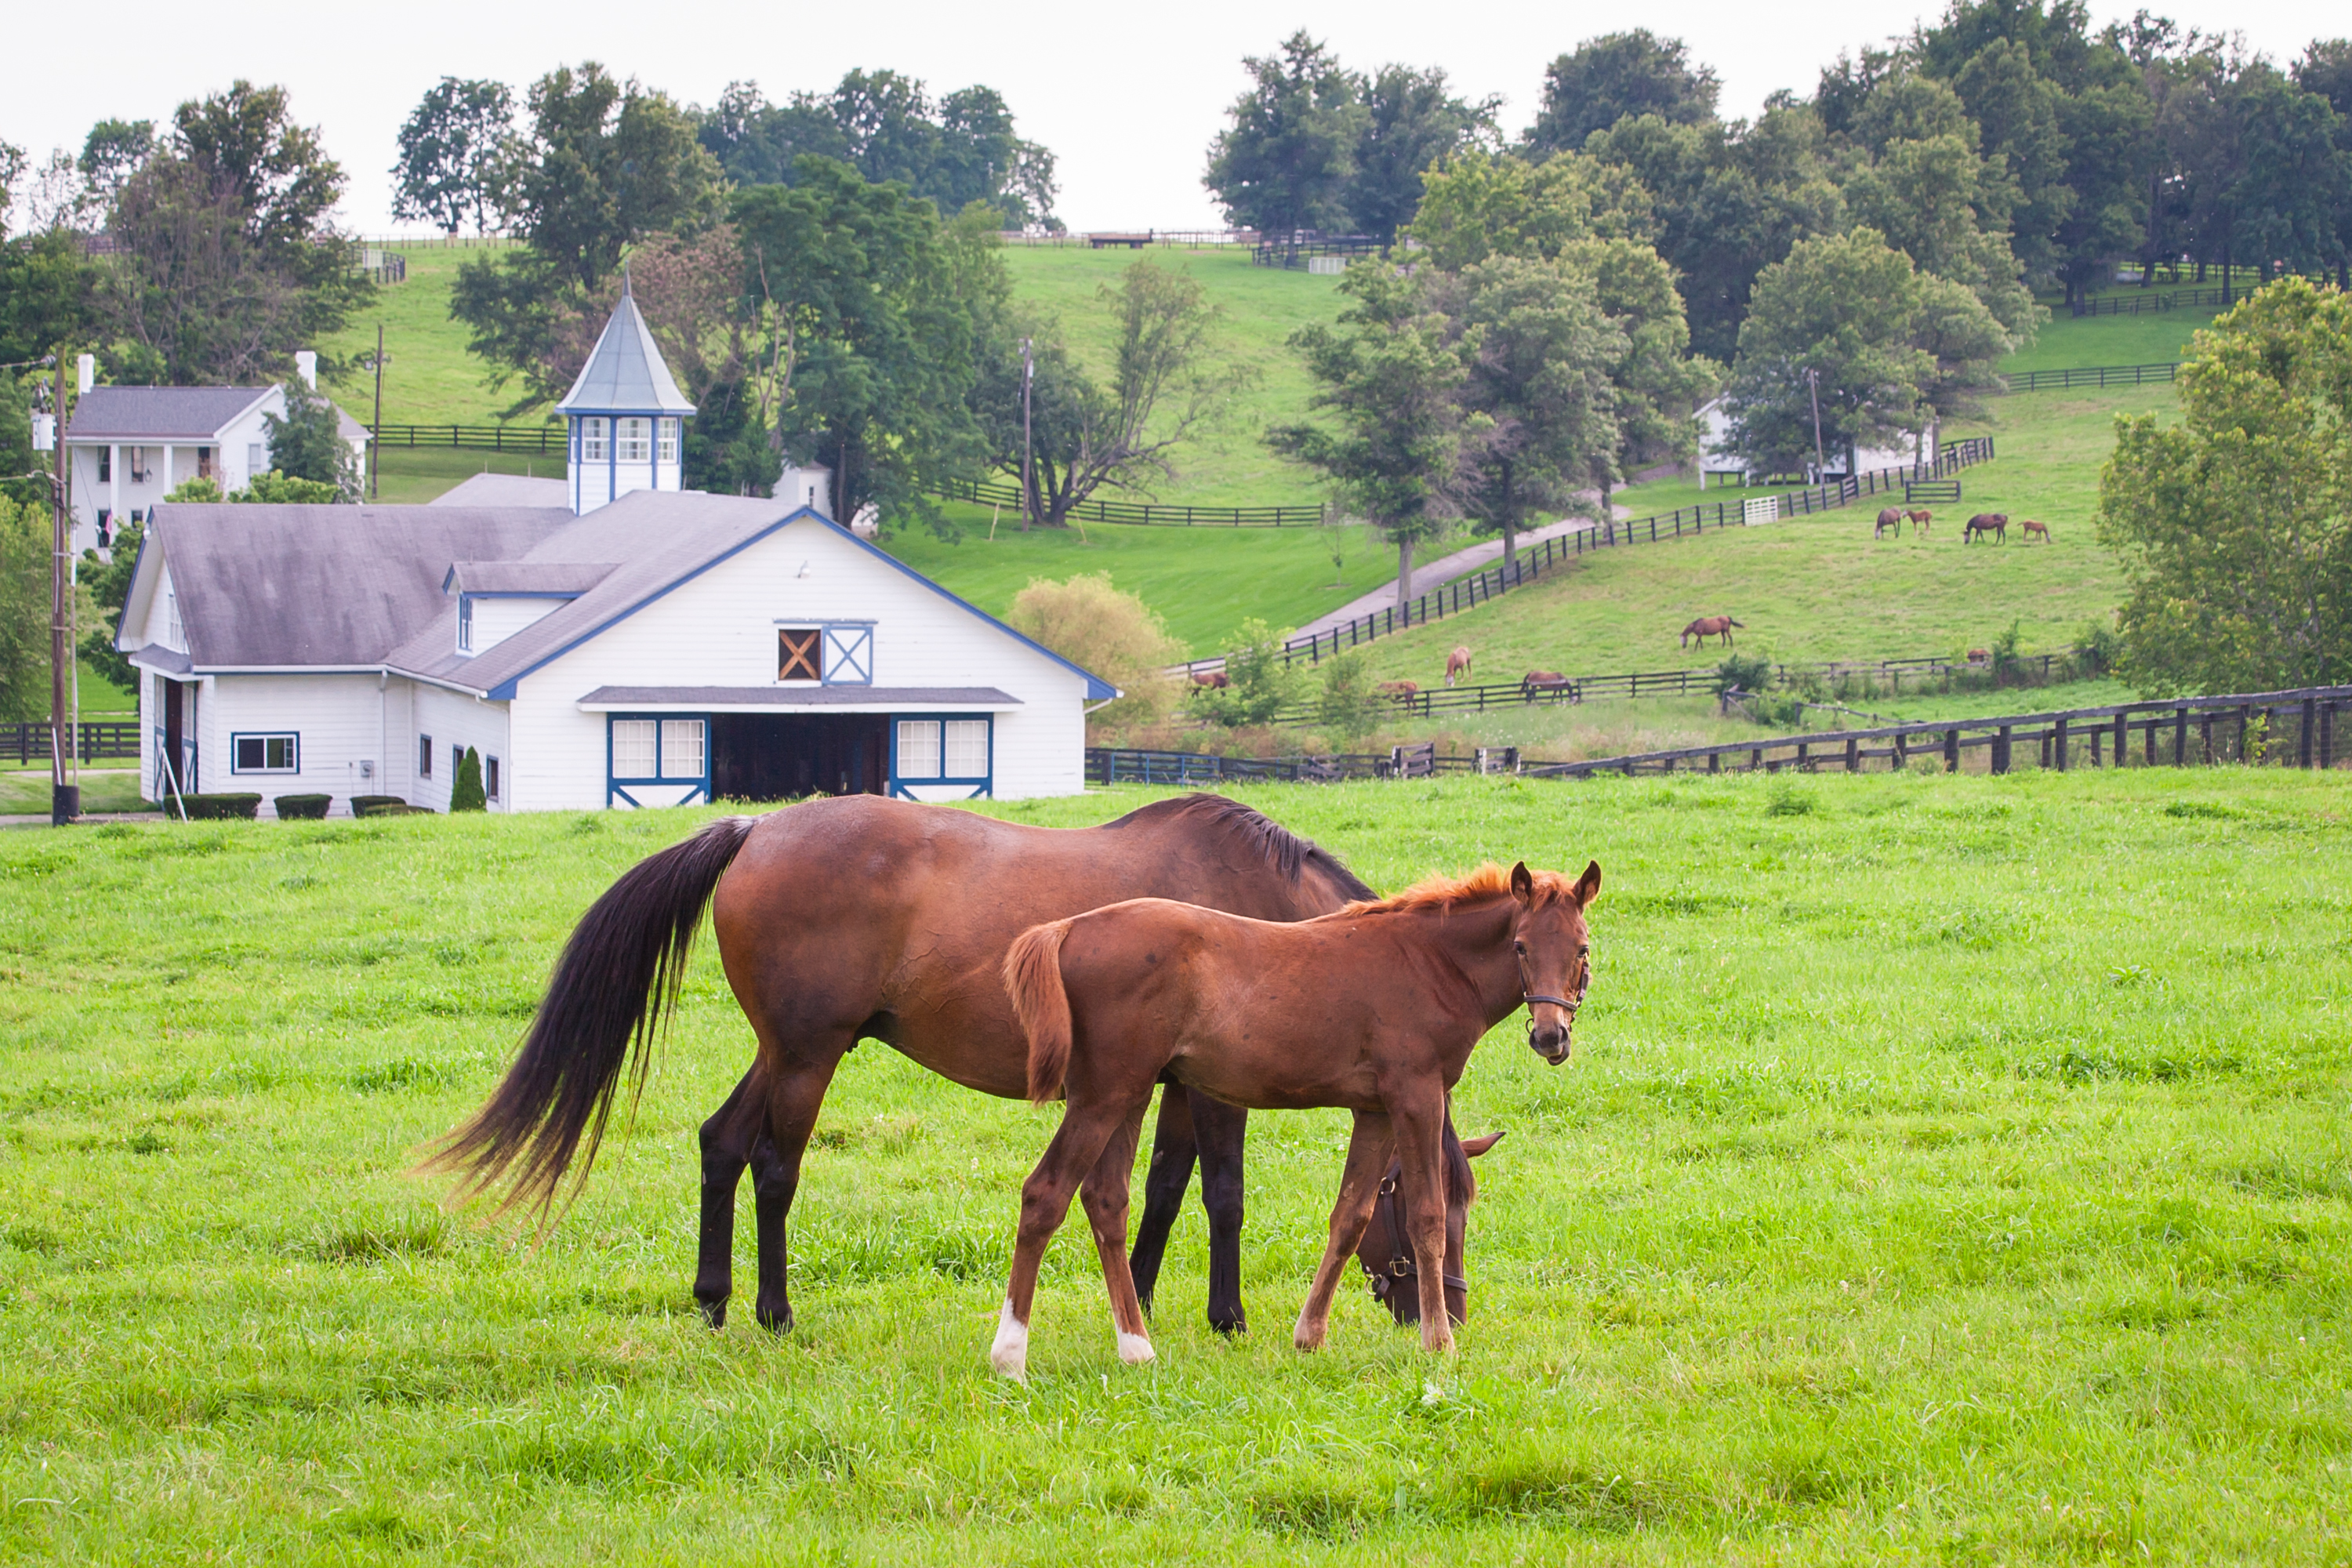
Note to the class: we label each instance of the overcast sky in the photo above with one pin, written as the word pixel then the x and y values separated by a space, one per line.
pixel 1127 97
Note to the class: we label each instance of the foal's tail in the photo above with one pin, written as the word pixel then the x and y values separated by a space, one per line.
pixel 1032 977
pixel 619 973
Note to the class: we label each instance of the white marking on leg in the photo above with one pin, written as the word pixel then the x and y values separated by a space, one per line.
pixel 1009 1354
pixel 1133 1349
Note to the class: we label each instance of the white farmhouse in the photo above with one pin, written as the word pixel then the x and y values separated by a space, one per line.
pixel 130 445
pixel 661 648
pixel 1720 460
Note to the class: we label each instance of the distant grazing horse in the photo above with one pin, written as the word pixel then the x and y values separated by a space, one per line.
pixel 1980 656
pixel 855 918
pixel 1889 521
pixel 1210 681
pixel 1457 663
pixel 1993 522
pixel 1551 680
pixel 1375 1008
pixel 1399 690
pixel 1707 626
pixel 2032 528
pixel 1920 520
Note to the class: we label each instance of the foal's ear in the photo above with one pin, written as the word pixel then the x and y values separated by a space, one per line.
pixel 1523 883
pixel 1587 887
pixel 1473 1147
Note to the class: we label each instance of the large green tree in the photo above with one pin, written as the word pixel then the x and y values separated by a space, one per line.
pixel 1412 122
pixel 1389 376
pixel 2234 525
pixel 453 150
pixel 1617 76
pixel 1283 161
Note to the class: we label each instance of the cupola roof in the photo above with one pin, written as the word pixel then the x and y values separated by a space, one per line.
pixel 626 374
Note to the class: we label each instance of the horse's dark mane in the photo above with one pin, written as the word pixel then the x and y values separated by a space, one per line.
pixel 1283 850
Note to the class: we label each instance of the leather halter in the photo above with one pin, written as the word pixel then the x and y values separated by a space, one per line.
pixel 1402 1265
pixel 1562 1002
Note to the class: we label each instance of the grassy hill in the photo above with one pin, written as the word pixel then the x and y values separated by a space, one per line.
pixel 1910 1194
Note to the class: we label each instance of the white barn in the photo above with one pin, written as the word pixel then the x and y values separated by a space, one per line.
pixel 1721 462
pixel 663 647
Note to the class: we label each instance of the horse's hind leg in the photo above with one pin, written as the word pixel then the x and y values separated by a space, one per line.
pixel 795 1092
pixel 1087 1126
pixel 1359 1185
pixel 1174 1151
pixel 1104 1194
pixel 1222 1129
pixel 727 1143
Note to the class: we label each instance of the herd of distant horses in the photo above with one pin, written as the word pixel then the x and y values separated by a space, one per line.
pixel 1992 525
pixel 1194 945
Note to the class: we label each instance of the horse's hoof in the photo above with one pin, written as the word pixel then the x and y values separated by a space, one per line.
pixel 1237 1322
pixel 1134 1349
pixel 1009 1354
pixel 714 1313
pixel 775 1322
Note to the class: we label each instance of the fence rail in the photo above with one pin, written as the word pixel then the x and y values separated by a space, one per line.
pixel 93 740
pixel 2090 375
pixel 1118 765
pixel 2296 728
pixel 532 440
pixel 1532 562
pixel 992 492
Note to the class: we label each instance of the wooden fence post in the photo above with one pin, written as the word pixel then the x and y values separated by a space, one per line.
pixel 2308 752
pixel 2327 734
pixel 1852 755
pixel 2180 736
pixel 2001 750
pixel 1952 750
pixel 2123 739
pixel 2057 742
pixel 2205 735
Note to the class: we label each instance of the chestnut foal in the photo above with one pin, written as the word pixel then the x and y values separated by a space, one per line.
pixel 1375 1008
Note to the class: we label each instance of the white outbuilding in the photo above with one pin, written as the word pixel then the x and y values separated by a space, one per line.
pixel 657 647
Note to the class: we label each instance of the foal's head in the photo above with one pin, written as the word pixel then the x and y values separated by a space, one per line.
pixel 1555 952
pixel 1386 1250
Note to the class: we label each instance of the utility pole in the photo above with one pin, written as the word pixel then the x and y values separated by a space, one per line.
pixel 1028 469
pixel 65 786
pixel 1813 382
pixel 375 444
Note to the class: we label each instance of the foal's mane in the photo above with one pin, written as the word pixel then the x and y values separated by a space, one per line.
pixel 1284 851
pixel 1442 892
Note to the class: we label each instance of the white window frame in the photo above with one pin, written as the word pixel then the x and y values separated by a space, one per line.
pixel 641 737
pixel 263 738
pixel 922 739
pixel 592 438
pixel 669 448
pixel 491 777
pixel 633 439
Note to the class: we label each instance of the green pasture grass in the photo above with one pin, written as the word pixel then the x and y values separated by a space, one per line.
pixel 430 377
pixel 107 787
pixel 2067 342
pixel 413 475
pixel 1820 587
pixel 1952 1170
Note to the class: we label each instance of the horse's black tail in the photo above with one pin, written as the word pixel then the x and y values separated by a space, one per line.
pixel 619 973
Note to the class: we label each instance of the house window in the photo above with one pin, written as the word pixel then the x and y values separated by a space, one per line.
pixel 669 440
pixel 424 756
pixel 798 651
pixel 943 751
pixel 648 751
pixel 105 464
pixel 465 623
pixel 254 463
pixel 203 462
pixel 681 748
pixel 636 442
pixel 491 777
pixel 264 753
pixel 634 749
pixel 137 462
pixel 592 440
pixel 849 656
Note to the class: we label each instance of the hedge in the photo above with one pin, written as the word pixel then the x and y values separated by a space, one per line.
pixel 221 808
pixel 363 804
pixel 303 807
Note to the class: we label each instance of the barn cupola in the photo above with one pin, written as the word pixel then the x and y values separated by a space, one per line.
pixel 628 415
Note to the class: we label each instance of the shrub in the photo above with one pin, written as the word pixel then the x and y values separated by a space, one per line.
pixel 1116 635
pixel 1261 684
pixel 303 807
pixel 200 489
pixel 1743 672
pixel 466 790
pixel 395 808
pixel 2097 647
pixel 2007 667
pixel 274 489
pixel 221 808
pixel 363 804
pixel 1351 707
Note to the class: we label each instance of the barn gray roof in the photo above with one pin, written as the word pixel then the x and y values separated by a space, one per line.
pixel 342 586
pixel 626 372
pixel 159 413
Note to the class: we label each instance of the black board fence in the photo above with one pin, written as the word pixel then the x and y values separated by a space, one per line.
pixel 2090 375
pixel 991 492
pixel 94 740
pixel 2295 728
pixel 529 440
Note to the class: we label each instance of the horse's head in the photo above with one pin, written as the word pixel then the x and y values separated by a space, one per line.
pixel 1386 1251
pixel 1555 952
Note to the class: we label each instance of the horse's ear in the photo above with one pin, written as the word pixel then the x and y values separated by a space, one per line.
pixel 1587 887
pixel 1473 1147
pixel 1523 883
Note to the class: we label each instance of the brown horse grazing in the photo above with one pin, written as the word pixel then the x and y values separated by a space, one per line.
pixel 1399 690
pixel 1210 681
pixel 1386 1250
pixel 1891 519
pixel 1537 680
pixel 2032 528
pixel 1920 520
pixel 1993 522
pixel 855 918
pixel 1375 1008
pixel 1707 626
pixel 1457 663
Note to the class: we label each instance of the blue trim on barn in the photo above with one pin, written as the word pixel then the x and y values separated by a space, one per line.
pixel 619 788
pixel 984 786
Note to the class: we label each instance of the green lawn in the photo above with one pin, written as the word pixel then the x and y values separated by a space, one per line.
pixel 1821 587
pixel 416 474
pixel 1953 1171
pixel 110 785
pixel 2067 342
pixel 429 377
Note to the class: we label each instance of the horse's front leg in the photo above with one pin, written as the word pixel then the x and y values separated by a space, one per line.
pixel 1222 1131
pixel 1420 1145
pixel 1359 1187
pixel 727 1142
pixel 1174 1151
